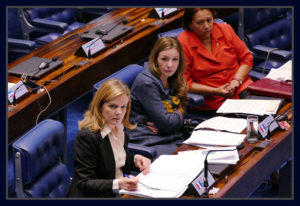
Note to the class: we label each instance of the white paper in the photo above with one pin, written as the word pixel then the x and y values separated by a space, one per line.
pixel 250 106
pixel 169 176
pixel 206 137
pixel 215 157
pixel 282 73
pixel 224 123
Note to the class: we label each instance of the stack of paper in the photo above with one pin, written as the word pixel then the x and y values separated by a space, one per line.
pixel 169 176
pixel 250 106
pixel 282 73
pixel 215 156
pixel 205 137
pixel 224 123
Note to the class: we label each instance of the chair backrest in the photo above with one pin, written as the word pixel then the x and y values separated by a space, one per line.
pixel 37 166
pixel 277 34
pixel 255 18
pixel 14 24
pixel 66 15
pixel 127 75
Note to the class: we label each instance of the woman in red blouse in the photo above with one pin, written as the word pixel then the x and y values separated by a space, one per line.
pixel 218 62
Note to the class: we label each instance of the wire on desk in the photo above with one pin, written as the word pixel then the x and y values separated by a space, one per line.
pixel 37 119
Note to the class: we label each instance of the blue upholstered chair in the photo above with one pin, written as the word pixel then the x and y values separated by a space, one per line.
pixel 127 75
pixel 17 45
pixel 268 34
pixel 39 173
pixel 44 25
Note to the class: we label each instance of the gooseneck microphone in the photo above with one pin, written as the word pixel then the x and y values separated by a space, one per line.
pixel 205 180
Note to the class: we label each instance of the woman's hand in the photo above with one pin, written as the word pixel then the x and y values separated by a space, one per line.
pixel 143 163
pixel 234 84
pixel 152 127
pixel 130 183
pixel 226 90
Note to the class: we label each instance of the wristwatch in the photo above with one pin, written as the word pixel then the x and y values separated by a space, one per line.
pixel 239 80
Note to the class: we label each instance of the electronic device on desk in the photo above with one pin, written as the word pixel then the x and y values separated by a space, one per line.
pixel 108 32
pixel 35 67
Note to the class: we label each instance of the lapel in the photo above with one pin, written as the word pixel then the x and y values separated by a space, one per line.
pixel 108 156
pixel 216 44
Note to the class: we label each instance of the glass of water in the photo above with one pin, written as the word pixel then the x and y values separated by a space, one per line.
pixel 252 133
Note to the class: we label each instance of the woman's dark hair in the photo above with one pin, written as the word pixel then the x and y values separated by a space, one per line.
pixel 189 14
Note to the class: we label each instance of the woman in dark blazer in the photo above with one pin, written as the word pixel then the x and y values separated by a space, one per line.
pixel 100 152
pixel 159 97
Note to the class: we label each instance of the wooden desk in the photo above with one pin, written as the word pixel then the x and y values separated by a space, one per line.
pixel 73 82
pixel 255 165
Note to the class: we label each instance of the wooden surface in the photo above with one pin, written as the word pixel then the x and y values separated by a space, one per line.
pixel 71 82
pixel 255 164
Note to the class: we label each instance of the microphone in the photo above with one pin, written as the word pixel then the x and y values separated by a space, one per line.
pixel 205 180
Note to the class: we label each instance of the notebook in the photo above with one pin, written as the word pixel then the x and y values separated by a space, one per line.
pixel 30 67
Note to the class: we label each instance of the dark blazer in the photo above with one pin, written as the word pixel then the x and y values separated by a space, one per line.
pixel 94 165
pixel 147 92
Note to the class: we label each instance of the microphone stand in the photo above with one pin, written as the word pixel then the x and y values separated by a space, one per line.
pixel 205 180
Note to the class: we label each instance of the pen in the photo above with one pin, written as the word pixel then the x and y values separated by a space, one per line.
pixel 125 175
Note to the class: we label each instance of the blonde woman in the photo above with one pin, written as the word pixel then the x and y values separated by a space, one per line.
pixel 159 97
pixel 101 157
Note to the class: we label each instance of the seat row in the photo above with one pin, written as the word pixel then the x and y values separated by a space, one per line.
pixel 31 28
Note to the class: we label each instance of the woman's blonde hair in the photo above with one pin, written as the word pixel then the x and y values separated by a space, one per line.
pixel 176 81
pixel 110 89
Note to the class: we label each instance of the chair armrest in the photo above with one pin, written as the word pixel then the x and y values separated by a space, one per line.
pixel 279 53
pixel 20 44
pixel 149 152
pixel 53 26
pixel 195 100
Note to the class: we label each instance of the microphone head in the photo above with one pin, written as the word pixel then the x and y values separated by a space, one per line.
pixel 282 117
pixel 54 58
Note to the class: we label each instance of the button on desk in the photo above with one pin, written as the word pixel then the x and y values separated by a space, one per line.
pixel 71 82
pixel 255 165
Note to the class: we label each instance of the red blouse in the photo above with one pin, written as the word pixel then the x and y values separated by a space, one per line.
pixel 219 67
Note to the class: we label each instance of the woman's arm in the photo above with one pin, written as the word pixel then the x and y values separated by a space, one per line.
pixel 85 153
pixel 149 96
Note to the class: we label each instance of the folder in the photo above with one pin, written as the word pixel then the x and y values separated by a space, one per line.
pixel 273 88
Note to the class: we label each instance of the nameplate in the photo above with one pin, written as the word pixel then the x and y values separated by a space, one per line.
pixel 269 123
pixel 161 12
pixel 21 90
pixel 196 187
pixel 90 48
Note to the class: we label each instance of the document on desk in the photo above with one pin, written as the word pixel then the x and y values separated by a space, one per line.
pixel 215 157
pixel 206 137
pixel 224 123
pixel 169 176
pixel 249 106
pixel 282 73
